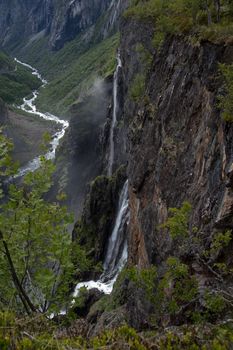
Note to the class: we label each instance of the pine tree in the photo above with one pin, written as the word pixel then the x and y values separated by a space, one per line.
pixel 35 245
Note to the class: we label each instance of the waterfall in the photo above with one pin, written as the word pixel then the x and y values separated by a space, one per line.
pixel 114 245
pixel 117 251
pixel 114 116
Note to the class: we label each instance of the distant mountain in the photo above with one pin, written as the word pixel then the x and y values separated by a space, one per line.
pixel 22 22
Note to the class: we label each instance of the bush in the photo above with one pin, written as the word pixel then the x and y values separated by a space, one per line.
pixel 226 100
pixel 178 221
pixel 192 17
pixel 137 88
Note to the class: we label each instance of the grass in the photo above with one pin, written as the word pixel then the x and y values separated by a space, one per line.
pixel 76 78
pixel 187 17
pixel 38 333
pixel 16 81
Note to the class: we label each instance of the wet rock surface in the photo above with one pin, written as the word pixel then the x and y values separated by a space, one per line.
pixel 89 298
pixel 95 226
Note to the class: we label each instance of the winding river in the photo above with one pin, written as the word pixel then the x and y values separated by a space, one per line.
pixel 29 106
pixel 116 256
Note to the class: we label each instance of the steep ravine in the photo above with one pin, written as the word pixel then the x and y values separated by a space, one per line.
pixel 178 148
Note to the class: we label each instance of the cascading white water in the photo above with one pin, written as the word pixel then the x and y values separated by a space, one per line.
pixel 117 252
pixel 30 107
pixel 114 115
pixel 110 263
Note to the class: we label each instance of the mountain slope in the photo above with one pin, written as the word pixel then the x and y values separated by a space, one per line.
pixel 22 21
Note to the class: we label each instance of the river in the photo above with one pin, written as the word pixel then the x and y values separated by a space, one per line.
pixel 29 106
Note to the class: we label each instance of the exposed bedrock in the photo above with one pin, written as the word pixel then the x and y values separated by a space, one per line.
pixel 22 22
pixel 179 147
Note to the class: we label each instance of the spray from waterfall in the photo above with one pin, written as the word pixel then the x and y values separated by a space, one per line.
pixel 117 251
pixel 114 116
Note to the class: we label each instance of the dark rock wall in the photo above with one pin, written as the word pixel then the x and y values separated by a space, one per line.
pixel 94 227
pixel 3 113
pixel 22 22
pixel 179 148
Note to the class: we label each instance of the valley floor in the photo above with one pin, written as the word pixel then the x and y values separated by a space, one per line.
pixel 27 133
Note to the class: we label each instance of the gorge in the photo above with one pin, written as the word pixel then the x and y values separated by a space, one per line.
pixel 139 94
pixel 29 106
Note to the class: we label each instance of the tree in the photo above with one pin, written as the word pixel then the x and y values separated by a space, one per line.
pixel 35 245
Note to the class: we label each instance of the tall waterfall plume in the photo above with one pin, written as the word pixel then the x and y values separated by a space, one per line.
pixel 114 116
pixel 117 251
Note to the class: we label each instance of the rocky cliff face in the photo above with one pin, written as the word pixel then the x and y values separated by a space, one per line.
pixel 179 147
pixel 23 22
pixel 3 113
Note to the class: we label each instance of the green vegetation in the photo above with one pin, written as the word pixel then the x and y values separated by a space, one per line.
pixel 16 81
pixel 37 333
pixel 137 87
pixel 204 19
pixel 216 298
pixel 226 100
pixel 177 288
pixel 176 293
pixel 138 84
pixel 35 245
pixel 144 279
pixel 178 221
pixel 76 78
pixel 145 55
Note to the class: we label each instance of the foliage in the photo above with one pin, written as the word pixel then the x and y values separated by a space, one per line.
pixel 226 100
pixel 214 302
pixel 6 166
pixel 220 240
pixel 145 55
pixel 16 81
pixel 178 221
pixel 195 17
pixel 177 287
pixel 123 336
pixel 38 333
pixel 178 284
pixel 137 88
pixel 35 245
pixel 144 279
pixel 76 78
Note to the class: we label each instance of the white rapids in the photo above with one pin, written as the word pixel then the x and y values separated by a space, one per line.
pixel 30 107
pixel 117 252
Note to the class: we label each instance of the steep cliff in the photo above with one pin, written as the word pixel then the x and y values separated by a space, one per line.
pixel 178 148
pixel 60 21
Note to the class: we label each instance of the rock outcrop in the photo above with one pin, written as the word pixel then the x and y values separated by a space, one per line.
pixel 178 149
pixel 96 223
pixel 3 112
pixel 23 22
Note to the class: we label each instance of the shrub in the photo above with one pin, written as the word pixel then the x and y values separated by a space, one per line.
pixel 137 87
pixel 226 100
pixel 178 221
